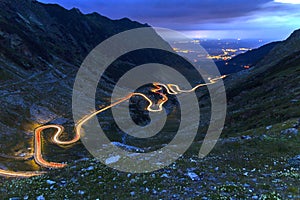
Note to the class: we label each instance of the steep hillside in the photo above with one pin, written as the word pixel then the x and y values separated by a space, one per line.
pixel 39 32
pixel 290 47
pixel 270 91
pixel 245 60
pixel 41 49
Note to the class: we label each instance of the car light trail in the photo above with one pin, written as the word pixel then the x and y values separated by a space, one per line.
pixel 171 89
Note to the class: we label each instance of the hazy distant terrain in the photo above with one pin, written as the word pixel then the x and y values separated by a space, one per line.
pixel 257 156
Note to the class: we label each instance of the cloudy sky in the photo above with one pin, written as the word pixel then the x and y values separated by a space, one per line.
pixel 261 19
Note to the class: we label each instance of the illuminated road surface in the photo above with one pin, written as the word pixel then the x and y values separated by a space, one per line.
pixel 171 89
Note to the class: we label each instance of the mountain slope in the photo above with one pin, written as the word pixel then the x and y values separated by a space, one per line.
pixel 42 31
pixel 270 91
pixel 289 47
pixel 40 54
pixel 41 49
pixel 249 58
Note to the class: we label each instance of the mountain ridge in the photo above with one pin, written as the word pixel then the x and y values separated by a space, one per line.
pixel 248 59
pixel 43 27
pixel 256 90
pixel 39 58
pixel 42 47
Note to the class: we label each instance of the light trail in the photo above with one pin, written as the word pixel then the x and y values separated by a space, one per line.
pixel 13 174
pixel 171 89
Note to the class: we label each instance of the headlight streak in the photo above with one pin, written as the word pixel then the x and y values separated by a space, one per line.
pixel 171 89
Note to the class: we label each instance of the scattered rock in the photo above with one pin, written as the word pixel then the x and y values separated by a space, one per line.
pixel 213 188
pixel 297 125
pixel 52 187
pixel 81 159
pixel 22 154
pixel 80 192
pixel 128 147
pixel 290 131
pixel 268 127
pixel 90 168
pixel 74 180
pixel 246 185
pixel 112 159
pixel 41 197
pixel 132 181
pixel 245 173
pixel 193 176
pixel 164 176
pixel 50 182
pixel 132 193
pixel 295 161
pixel 246 137
pixel 154 191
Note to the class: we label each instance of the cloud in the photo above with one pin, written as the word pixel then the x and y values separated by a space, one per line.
pixel 288 1
pixel 168 11
pixel 277 16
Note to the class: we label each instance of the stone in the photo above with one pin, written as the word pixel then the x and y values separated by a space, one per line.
pixel 132 193
pixel 41 197
pixel 294 162
pixel 81 192
pixel 90 168
pixel 246 137
pixel 50 182
pixel 112 159
pixel 269 127
pixel 290 131
pixel 164 176
pixel 193 176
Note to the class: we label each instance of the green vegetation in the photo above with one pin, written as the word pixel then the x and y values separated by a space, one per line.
pixel 252 159
pixel 238 168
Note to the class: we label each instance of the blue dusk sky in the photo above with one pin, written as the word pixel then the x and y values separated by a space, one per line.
pixel 260 19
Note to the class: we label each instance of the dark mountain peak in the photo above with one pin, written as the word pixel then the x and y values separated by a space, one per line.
pixel 284 49
pixel 295 34
pixel 31 31
pixel 76 10
pixel 245 60
pixel 125 19
pixel 268 93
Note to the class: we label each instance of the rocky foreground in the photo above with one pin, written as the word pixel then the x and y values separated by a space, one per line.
pixel 258 164
pixel 257 156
